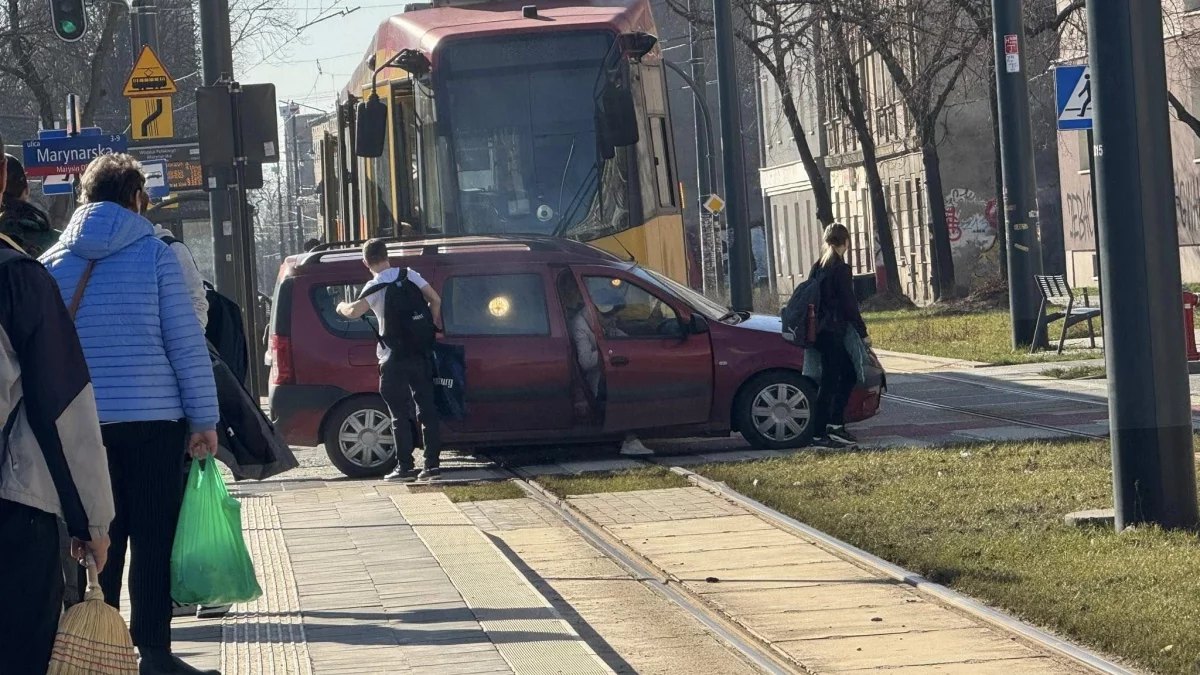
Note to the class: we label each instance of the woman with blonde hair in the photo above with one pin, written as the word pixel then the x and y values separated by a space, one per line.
pixel 838 314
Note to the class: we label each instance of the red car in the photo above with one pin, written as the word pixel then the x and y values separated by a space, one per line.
pixel 673 363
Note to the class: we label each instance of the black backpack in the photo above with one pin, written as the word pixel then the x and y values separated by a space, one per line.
pixel 800 314
pixel 408 328
pixel 226 332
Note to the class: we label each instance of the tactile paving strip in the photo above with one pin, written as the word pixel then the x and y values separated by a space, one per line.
pixel 525 628
pixel 266 637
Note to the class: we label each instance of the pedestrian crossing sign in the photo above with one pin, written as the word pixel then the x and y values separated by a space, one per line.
pixel 1073 93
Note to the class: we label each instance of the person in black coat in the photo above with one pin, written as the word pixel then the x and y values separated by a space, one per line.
pixel 839 313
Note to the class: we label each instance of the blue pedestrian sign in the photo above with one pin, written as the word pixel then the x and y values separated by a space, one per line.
pixel 70 154
pixel 1073 93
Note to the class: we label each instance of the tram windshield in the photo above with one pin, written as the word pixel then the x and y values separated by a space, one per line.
pixel 520 114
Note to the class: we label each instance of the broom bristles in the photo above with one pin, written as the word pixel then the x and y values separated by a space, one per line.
pixel 92 638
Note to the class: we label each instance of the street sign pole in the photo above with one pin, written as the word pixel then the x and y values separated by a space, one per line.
pixel 741 260
pixel 216 51
pixel 244 246
pixel 1150 416
pixel 1091 143
pixel 1020 184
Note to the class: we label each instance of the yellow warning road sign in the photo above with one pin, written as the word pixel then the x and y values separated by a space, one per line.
pixel 152 117
pixel 714 204
pixel 149 77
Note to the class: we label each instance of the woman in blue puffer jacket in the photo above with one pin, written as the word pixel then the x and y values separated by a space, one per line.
pixel 153 381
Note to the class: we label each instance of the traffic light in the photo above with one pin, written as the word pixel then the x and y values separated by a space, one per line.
pixel 69 18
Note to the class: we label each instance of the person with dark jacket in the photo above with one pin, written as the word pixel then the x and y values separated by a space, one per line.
pixel 154 384
pixel 54 459
pixel 21 220
pixel 838 314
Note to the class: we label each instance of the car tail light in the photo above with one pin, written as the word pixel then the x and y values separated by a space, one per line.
pixel 282 371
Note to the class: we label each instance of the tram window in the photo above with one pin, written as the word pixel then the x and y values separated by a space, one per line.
pixel 662 162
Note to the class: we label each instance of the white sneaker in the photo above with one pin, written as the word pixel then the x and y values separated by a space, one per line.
pixel 633 447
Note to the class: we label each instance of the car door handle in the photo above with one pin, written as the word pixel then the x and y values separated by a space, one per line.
pixel 618 361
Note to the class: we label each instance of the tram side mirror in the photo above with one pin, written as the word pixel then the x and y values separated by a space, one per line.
pixel 603 147
pixel 370 133
pixel 620 115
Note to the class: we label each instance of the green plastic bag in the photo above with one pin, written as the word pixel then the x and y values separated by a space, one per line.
pixel 209 563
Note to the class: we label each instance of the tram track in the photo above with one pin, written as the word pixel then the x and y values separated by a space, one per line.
pixel 995 418
pixel 763 656
pixel 751 647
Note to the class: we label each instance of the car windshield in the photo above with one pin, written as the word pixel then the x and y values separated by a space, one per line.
pixel 709 309
pixel 522 127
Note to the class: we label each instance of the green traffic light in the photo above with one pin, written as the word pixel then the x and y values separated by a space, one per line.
pixel 67 26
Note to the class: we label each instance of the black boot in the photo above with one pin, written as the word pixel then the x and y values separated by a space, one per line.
pixel 163 662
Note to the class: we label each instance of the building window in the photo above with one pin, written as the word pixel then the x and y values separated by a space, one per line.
pixel 1085 164
pixel 499 304
pixel 662 162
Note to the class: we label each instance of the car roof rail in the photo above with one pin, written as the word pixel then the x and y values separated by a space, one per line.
pixel 441 244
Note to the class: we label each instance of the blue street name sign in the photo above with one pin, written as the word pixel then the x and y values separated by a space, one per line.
pixel 69 154
pixel 1073 93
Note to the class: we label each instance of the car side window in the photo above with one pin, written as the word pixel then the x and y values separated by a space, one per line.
pixel 629 311
pixel 325 300
pixel 495 304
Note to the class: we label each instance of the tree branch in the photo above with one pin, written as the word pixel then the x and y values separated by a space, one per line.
pixel 1182 114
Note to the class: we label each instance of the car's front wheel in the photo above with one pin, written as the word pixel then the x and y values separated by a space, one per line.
pixel 775 411
pixel 359 438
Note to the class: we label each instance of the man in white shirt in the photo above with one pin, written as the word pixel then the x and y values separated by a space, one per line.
pixel 403 381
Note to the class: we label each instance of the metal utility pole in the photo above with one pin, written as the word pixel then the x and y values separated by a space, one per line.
pixel 1020 181
pixel 216 53
pixel 143 15
pixel 243 247
pixel 706 175
pixel 741 257
pixel 1154 476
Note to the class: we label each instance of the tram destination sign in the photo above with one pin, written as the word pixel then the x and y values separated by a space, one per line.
pixel 184 171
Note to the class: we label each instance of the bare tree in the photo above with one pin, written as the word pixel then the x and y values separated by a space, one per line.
pixel 849 91
pixel 780 35
pixel 48 68
pixel 925 45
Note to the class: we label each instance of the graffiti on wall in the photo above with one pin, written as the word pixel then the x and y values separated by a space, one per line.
pixel 1077 214
pixel 1078 217
pixel 970 220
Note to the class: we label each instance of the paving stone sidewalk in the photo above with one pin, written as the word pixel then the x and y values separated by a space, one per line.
pixel 826 613
pixel 366 578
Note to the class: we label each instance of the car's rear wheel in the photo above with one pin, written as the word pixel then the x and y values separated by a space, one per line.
pixel 775 411
pixel 359 438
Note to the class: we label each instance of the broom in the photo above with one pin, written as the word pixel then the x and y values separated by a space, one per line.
pixel 92 637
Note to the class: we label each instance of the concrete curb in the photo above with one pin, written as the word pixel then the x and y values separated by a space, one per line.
pixel 935 360
pixel 937 591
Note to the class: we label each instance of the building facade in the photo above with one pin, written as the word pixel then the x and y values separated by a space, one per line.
pixel 1182 35
pixel 966 151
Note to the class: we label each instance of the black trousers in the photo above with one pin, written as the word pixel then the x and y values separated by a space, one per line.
pixel 145 460
pixel 401 383
pixel 837 381
pixel 31 585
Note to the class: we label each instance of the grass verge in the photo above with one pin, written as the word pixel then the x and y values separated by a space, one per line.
pixel 648 478
pixel 985 337
pixel 1076 372
pixel 477 492
pixel 987 521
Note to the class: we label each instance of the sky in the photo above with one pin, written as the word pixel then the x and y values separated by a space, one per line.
pixel 319 63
